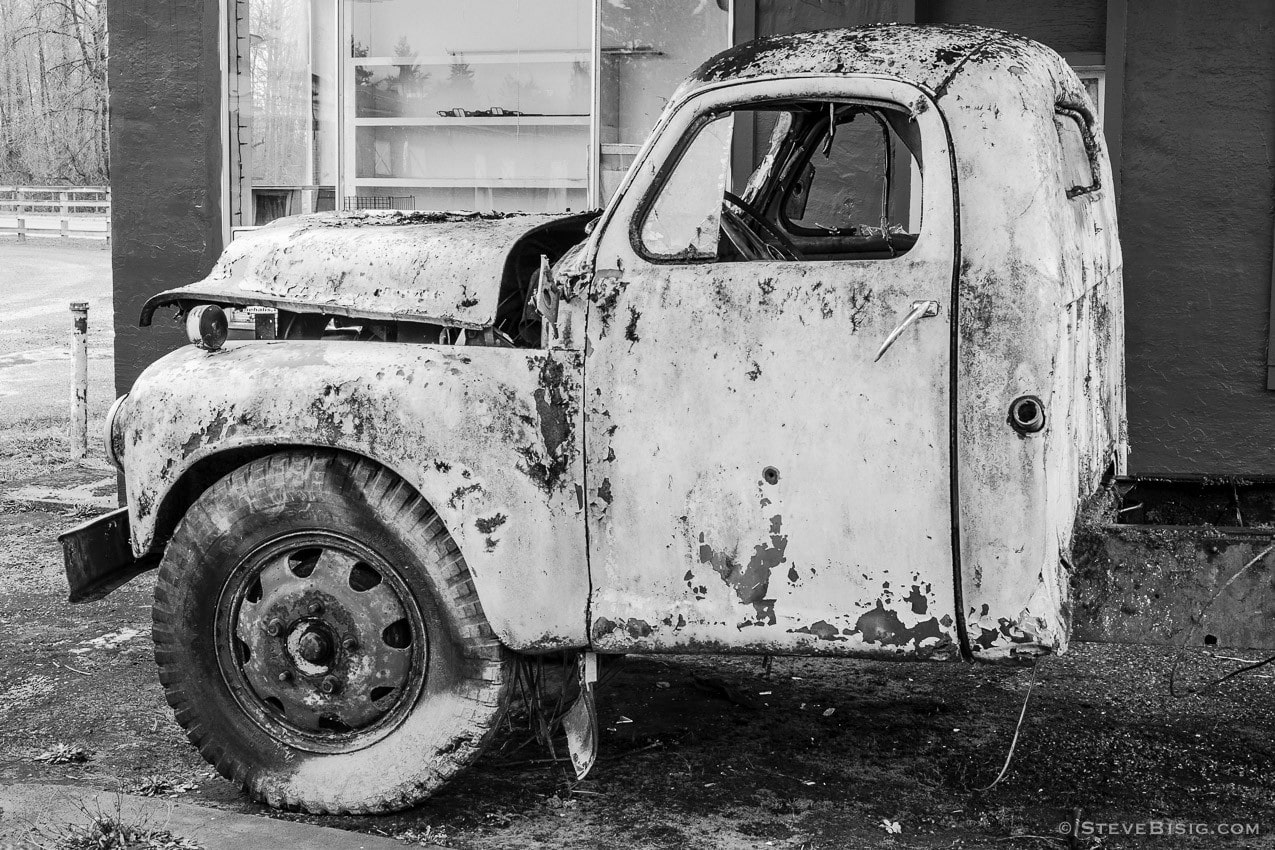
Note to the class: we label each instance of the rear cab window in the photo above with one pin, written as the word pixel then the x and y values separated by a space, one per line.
pixel 1076 139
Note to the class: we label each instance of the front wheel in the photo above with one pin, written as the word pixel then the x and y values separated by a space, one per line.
pixel 320 639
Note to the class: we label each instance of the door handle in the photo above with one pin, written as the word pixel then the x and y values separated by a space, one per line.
pixel 920 310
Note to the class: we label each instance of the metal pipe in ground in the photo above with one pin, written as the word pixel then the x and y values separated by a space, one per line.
pixel 80 382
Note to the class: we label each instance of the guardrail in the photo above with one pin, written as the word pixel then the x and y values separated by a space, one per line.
pixel 65 211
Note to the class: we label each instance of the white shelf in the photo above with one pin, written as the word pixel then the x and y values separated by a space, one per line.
pixel 637 50
pixel 477 58
pixel 474 182
pixel 478 121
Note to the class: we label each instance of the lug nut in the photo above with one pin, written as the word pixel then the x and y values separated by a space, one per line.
pixel 329 685
pixel 315 609
pixel 285 676
pixel 273 627
pixel 350 644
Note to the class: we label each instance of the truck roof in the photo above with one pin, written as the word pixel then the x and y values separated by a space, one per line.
pixel 929 56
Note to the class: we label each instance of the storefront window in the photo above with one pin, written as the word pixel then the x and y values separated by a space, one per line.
pixel 647 49
pixel 469 105
pixel 427 104
pixel 282 87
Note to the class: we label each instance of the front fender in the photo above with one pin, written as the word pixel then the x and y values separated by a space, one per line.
pixel 488 436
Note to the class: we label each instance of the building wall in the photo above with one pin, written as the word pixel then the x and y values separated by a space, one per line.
pixel 1077 26
pixel 165 164
pixel 780 17
pixel 1195 224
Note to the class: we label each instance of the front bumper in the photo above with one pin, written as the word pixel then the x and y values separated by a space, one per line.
pixel 99 557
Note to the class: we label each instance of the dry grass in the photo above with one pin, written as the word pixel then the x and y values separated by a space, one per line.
pixel 33 446
pixel 112 830
pixel 107 833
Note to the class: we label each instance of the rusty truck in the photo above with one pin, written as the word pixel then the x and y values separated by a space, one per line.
pixel 831 374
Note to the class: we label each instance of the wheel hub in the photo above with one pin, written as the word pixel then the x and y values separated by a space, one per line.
pixel 314 646
pixel 326 638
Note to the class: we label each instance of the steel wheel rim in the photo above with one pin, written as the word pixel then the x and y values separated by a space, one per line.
pixel 321 641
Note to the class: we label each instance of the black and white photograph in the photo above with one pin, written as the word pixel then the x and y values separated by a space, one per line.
pixel 637 424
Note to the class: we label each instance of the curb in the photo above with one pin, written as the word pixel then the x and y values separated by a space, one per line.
pixel 34 815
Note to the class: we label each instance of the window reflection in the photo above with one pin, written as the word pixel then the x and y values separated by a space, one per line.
pixel 427 104
pixel 479 105
pixel 283 153
pixel 647 49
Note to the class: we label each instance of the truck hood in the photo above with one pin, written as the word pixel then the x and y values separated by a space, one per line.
pixel 443 268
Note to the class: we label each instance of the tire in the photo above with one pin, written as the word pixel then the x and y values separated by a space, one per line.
pixel 320 639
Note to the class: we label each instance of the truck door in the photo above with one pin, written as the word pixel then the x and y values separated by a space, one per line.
pixel 760 475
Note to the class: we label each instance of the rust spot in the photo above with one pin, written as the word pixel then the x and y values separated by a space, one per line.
pixel 210 433
pixel 145 501
pixel 754 373
pixel 699 590
pixel 630 331
pixel 604 490
pixel 1006 631
pixel 764 613
pixel 917 600
pixel 487 525
pixel 602 627
pixel 553 408
pixel 751 581
pixel 884 627
pixel 822 630
pixel 459 494
pixel 442 467
pixel 605 295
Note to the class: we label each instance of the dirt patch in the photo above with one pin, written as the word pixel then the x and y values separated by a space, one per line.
pixel 829 755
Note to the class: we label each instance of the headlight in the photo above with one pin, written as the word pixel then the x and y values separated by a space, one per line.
pixel 206 326
pixel 108 437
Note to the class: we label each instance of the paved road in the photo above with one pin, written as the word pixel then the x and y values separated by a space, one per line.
pixel 38 279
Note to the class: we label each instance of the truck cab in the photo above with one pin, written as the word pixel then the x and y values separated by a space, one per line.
pixel 831 374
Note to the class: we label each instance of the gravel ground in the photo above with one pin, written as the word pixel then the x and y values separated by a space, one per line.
pixel 812 754
pixel 704 751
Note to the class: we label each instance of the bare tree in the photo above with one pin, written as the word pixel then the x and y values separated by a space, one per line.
pixel 53 95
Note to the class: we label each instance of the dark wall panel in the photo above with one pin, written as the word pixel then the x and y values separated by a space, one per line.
pixel 1077 26
pixel 780 17
pixel 1195 224
pixel 165 163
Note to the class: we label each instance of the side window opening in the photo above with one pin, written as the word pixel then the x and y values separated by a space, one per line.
pixel 851 180
pixel 837 180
